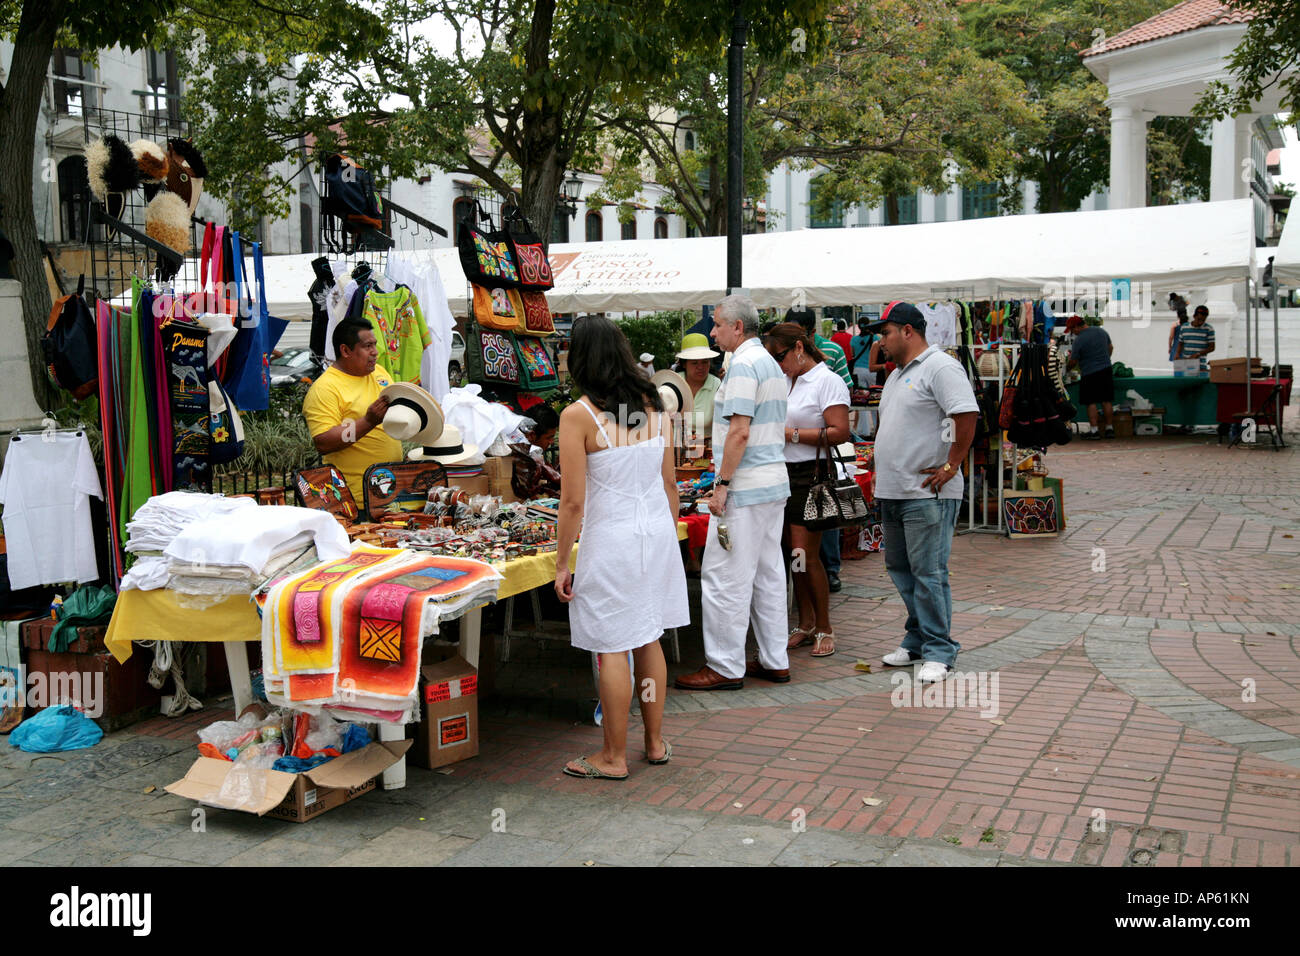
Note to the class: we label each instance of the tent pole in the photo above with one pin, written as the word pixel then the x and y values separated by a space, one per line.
pixel 1249 352
pixel 1277 357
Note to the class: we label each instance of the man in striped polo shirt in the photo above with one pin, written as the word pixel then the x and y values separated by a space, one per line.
pixel 1197 340
pixel 746 582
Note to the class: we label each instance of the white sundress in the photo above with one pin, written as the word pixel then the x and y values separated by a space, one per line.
pixel 629 585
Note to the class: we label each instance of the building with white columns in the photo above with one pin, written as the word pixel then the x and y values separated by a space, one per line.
pixel 1161 67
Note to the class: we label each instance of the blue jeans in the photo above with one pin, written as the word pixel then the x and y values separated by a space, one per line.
pixel 918 540
pixel 830 551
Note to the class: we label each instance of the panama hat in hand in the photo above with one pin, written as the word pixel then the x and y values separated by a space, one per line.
pixel 413 414
pixel 674 392
pixel 696 346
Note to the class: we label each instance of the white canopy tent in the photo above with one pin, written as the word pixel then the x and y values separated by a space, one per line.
pixel 1286 257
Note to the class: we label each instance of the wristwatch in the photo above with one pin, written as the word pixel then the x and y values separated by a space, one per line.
pixel 947 467
pixel 794 438
pixel 723 482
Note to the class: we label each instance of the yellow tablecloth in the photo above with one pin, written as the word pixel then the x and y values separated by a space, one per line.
pixel 156 615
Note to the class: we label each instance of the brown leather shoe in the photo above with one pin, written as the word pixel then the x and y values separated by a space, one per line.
pixel 755 669
pixel 706 678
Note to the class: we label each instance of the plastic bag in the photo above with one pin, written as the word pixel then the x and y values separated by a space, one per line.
pixel 252 735
pixel 56 729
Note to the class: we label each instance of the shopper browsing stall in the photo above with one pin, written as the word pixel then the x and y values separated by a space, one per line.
pixel 1091 352
pixel 927 421
pixel 817 414
pixel 620 488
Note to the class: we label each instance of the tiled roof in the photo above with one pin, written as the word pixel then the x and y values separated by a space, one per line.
pixel 1187 16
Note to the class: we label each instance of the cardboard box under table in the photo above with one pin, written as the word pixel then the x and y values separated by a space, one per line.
pixel 448 728
pixel 299 797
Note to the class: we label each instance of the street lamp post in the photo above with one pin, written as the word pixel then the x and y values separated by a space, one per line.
pixel 735 145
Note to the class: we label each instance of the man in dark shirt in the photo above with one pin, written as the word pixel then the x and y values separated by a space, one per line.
pixel 1091 352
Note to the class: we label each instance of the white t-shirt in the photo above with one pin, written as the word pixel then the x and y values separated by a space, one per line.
pixel 940 324
pixel 45 487
pixel 810 395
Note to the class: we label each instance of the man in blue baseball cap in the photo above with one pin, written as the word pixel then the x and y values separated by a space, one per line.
pixel 927 422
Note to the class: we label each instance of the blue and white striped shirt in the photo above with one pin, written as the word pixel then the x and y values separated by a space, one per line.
pixel 1193 340
pixel 754 387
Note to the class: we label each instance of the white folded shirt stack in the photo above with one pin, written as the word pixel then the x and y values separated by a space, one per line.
pixel 211 544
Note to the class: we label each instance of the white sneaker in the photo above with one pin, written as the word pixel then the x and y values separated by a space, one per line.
pixel 931 671
pixel 901 658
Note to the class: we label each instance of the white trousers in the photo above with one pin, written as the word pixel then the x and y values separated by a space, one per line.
pixel 743 586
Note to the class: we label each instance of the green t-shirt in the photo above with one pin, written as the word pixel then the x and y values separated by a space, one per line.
pixel 400 329
pixel 835 359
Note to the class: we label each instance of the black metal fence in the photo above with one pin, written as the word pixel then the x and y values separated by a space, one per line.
pixel 250 482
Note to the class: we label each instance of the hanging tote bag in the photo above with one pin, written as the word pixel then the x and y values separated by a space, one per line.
pixel 71 350
pixel 833 502
pixel 536 370
pixel 528 251
pixel 498 309
pixel 537 314
pixel 495 354
pixel 248 374
pixel 485 255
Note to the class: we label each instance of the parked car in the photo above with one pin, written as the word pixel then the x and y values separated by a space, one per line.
pixel 294 365
pixel 456 367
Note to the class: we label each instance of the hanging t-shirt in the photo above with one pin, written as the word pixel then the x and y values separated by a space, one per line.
pixel 45 488
pixel 940 324
pixel 805 407
pixel 400 329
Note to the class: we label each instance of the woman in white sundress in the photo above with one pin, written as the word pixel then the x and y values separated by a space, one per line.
pixel 620 489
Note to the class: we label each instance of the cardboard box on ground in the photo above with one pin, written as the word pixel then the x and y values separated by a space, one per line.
pixel 299 797
pixel 448 728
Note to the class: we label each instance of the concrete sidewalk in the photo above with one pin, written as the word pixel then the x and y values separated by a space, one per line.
pixel 1140 706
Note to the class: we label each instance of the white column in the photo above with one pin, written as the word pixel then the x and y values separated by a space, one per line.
pixel 1128 155
pixel 1229 146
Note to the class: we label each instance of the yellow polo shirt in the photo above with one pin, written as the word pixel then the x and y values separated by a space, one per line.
pixel 335 396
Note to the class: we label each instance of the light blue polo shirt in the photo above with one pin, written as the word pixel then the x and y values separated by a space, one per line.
pixel 755 387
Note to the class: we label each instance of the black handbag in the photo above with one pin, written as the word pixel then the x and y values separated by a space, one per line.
pixel 528 251
pixel 485 254
pixel 833 502
pixel 71 346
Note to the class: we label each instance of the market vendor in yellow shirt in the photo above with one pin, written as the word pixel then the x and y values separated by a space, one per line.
pixel 344 408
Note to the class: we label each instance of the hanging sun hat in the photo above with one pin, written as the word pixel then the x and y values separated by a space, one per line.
pixel 696 346
pixel 413 414
pixel 446 449
pixel 674 391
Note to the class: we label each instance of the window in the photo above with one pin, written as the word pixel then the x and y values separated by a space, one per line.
pixel 906 209
pixel 627 230
pixel 595 226
pixel 163 98
pixel 559 226
pixel 690 141
pixel 661 228
pixel 979 202
pixel 74 199
pixel 462 210
pixel 72 98
pixel 690 230
pixel 831 219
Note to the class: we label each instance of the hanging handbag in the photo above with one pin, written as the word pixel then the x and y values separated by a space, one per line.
pixel 528 251
pixel 536 369
pixel 833 502
pixel 537 318
pixel 1006 408
pixel 499 309
pixel 485 254
pixel 494 354
pixel 70 345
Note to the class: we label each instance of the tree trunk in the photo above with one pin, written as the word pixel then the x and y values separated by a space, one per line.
pixel 541 180
pixel 20 102
pixel 891 209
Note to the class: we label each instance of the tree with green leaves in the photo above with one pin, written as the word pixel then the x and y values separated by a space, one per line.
pixel 894 101
pixel 1266 58
pixel 1041 42
pixel 35 27
pixel 502 90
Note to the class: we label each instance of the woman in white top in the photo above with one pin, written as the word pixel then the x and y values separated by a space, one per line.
pixel 817 406
pixel 620 489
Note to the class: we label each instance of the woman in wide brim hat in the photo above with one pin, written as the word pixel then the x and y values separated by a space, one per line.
pixel 413 414
pixel 697 360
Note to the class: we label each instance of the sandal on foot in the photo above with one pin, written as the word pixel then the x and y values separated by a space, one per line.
pixel 590 771
pixel 820 640
pixel 660 761
pixel 791 643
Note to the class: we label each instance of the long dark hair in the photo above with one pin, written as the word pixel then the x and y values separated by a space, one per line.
pixel 602 366
pixel 785 335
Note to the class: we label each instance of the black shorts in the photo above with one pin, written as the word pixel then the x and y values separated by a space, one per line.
pixel 801 474
pixel 1097 388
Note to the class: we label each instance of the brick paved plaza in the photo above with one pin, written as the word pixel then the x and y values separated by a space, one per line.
pixel 1148 714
